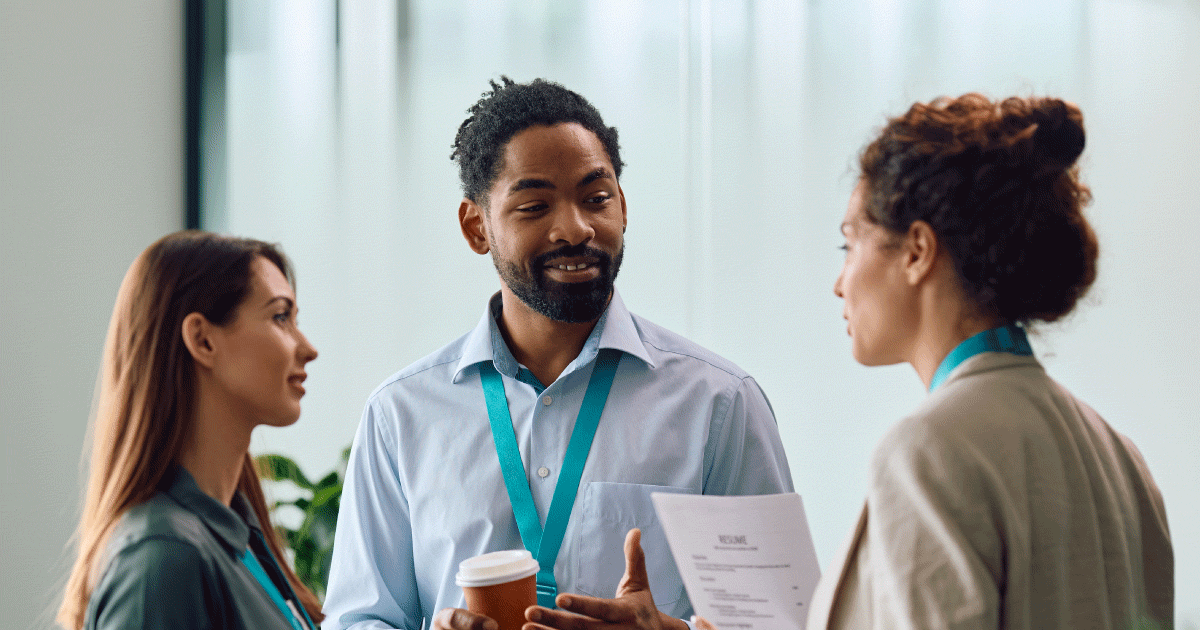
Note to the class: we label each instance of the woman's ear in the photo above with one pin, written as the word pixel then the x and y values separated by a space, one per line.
pixel 197 334
pixel 920 252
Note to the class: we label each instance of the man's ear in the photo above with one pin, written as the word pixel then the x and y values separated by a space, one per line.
pixel 197 334
pixel 920 252
pixel 474 226
pixel 624 214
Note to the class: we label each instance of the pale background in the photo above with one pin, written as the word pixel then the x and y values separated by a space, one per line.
pixel 739 122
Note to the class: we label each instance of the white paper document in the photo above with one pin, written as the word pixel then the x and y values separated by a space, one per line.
pixel 748 562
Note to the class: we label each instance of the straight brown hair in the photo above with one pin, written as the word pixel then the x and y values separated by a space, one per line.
pixel 145 399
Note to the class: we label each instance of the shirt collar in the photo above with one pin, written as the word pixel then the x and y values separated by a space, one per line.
pixel 615 329
pixel 230 524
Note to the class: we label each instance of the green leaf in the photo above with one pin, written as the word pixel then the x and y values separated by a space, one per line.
pixel 312 542
pixel 280 468
pixel 324 495
pixel 322 523
pixel 330 480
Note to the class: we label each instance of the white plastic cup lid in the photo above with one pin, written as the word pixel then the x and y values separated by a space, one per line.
pixel 496 567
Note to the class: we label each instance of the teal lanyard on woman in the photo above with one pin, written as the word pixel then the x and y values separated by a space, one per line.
pixel 544 544
pixel 290 612
pixel 1009 338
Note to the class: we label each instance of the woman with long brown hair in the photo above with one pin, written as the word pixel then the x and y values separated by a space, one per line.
pixel 202 348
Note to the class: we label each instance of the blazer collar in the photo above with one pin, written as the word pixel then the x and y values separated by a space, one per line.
pixel 987 362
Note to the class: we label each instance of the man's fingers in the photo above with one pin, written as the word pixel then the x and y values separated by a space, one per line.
pixel 703 623
pixel 609 610
pixel 633 606
pixel 635 578
pixel 543 618
pixel 459 619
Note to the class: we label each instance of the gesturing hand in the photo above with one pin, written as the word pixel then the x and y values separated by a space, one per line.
pixel 459 619
pixel 632 609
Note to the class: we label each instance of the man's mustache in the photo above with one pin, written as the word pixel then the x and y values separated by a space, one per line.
pixel 572 251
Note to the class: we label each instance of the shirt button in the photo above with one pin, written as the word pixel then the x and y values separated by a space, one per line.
pixel 547 400
pixel 543 472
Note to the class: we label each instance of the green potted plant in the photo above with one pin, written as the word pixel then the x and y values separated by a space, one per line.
pixel 312 541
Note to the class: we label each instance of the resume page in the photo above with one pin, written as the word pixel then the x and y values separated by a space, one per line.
pixel 747 562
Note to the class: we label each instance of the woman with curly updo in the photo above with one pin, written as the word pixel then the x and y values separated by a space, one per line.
pixel 1003 501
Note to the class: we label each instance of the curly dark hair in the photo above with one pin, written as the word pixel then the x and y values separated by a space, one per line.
pixel 997 182
pixel 509 108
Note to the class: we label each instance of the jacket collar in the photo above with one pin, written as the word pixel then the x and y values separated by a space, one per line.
pixel 985 362
pixel 229 524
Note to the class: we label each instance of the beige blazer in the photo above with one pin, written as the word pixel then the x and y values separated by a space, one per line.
pixel 1003 502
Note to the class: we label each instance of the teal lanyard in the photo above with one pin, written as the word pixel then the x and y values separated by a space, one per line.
pixel 260 574
pixel 544 544
pixel 1009 338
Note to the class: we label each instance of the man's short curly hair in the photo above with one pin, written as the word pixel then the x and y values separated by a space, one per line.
pixel 509 108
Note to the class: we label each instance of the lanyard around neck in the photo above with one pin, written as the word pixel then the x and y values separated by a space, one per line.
pixel 544 544
pixel 296 616
pixel 1009 338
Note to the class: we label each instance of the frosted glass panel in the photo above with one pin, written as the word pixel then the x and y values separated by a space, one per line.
pixel 739 123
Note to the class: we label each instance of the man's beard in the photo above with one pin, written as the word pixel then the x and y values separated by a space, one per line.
pixel 570 302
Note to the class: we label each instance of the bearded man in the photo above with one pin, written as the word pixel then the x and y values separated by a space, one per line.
pixel 549 425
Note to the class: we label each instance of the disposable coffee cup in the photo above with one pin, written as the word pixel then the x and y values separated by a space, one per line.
pixel 500 585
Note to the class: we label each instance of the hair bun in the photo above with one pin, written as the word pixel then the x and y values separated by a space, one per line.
pixel 1059 138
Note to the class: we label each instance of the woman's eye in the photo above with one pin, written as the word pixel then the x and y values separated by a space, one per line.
pixel 845 247
pixel 283 317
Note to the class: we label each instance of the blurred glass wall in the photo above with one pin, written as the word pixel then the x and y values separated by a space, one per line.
pixel 739 122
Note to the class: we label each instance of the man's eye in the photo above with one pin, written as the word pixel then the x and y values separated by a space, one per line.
pixel 601 198
pixel 283 317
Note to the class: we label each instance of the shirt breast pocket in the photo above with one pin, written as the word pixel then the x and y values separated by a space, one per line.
pixel 609 511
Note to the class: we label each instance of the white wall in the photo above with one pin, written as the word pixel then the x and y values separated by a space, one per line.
pixel 739 122
pixel 91 102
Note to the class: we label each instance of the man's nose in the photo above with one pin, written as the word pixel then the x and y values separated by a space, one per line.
pixel 572 225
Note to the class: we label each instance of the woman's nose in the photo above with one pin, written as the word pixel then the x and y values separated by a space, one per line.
pixel 306 350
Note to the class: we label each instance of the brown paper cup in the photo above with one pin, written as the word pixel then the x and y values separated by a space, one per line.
pixel 500 585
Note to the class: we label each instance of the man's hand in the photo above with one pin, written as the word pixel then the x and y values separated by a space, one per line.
pixel 459 619
pixel 632 609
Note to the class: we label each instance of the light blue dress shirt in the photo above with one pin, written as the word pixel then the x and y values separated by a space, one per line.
pixel 424 489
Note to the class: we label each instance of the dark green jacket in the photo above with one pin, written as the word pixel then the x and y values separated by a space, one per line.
pixel 175 562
